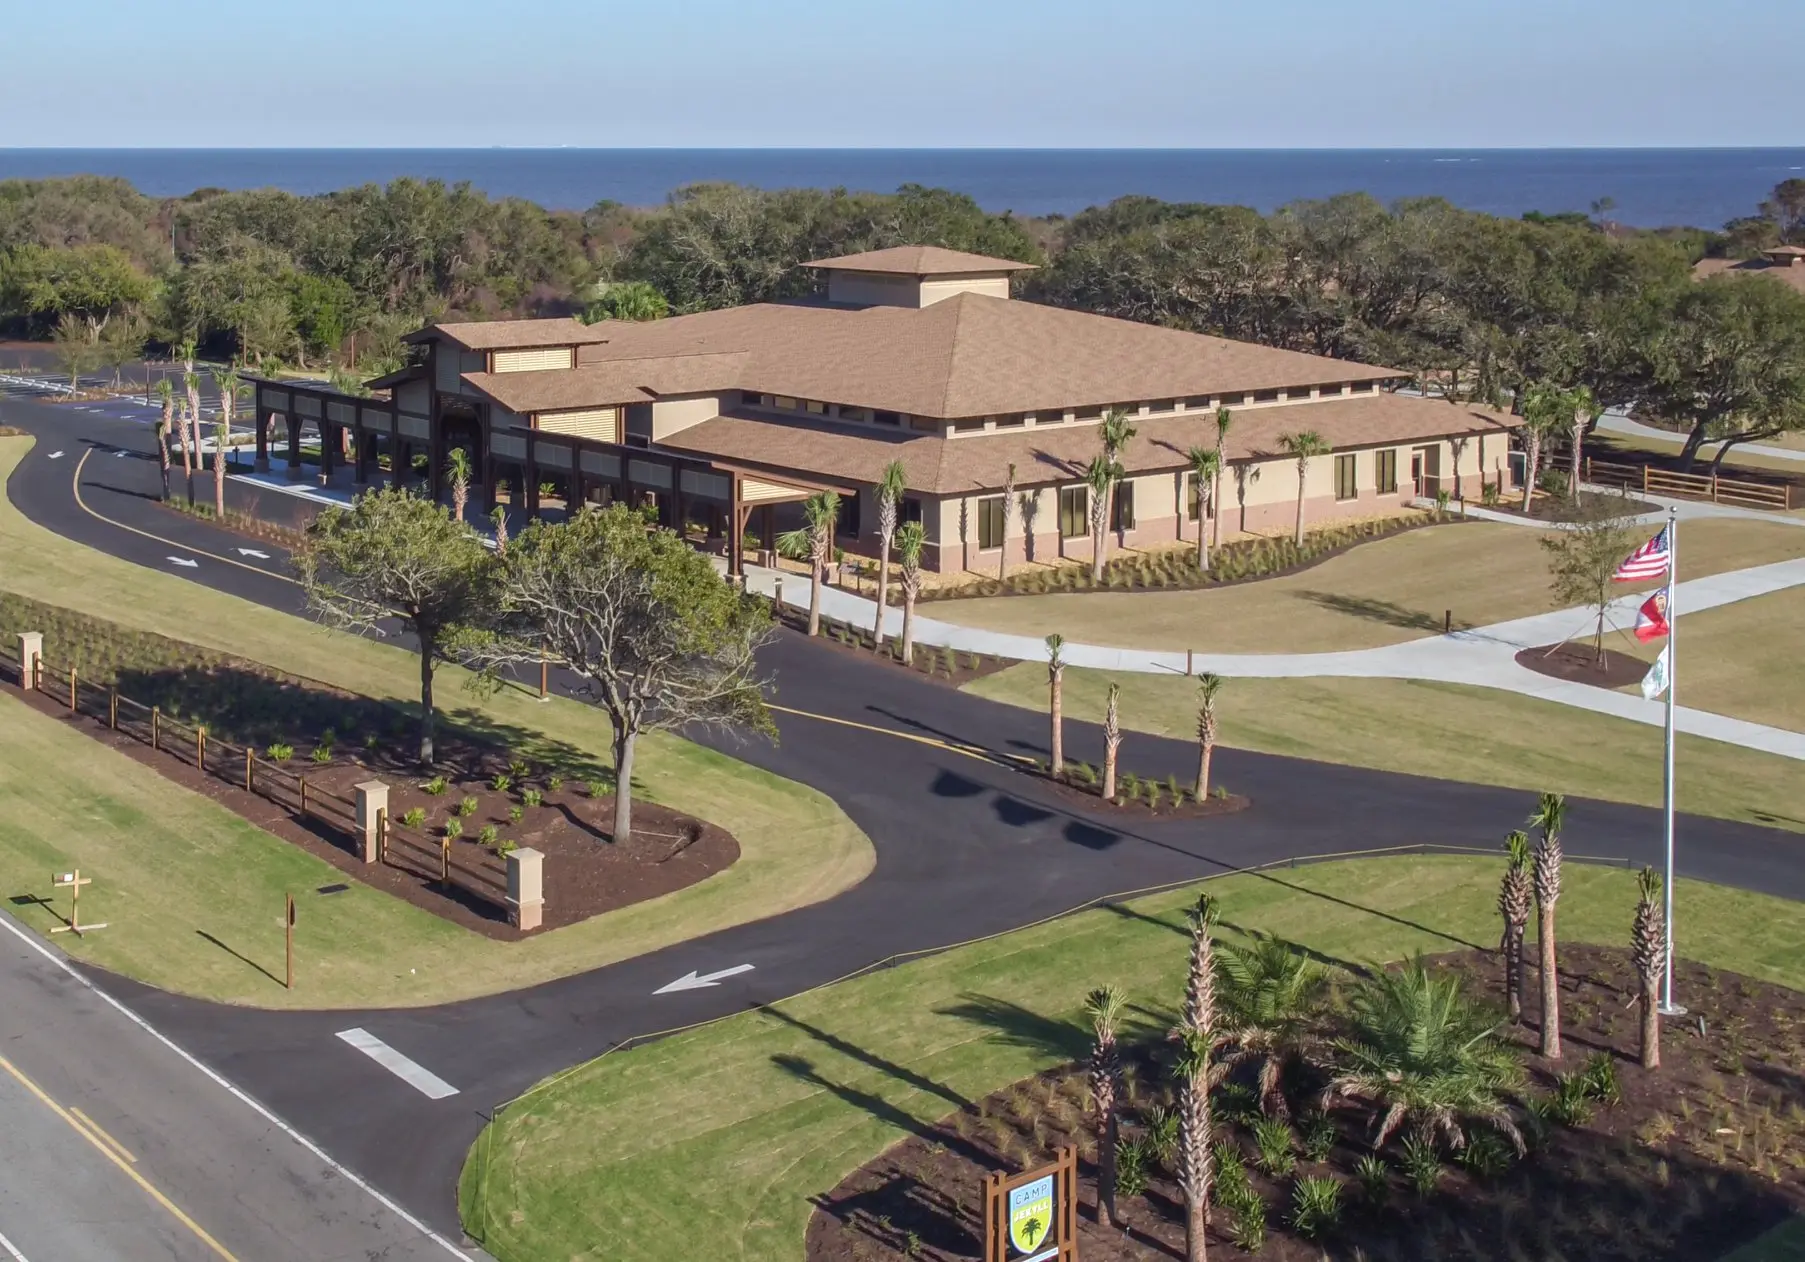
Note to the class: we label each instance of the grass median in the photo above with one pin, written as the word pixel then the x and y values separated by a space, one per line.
pixel 796 846
pixel 1384 592
pixel 1450 731
pixel 723 1134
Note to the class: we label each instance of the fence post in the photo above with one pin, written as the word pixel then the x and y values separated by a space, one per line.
pixel 382 833
pixel 1645 479
pixel 72 690
pixel 113 709
pixel 445 860
pixel 37 675
pixel 249 760
pixel 156 726
pixel 303 780
pixel 1714 488
pixel 200 747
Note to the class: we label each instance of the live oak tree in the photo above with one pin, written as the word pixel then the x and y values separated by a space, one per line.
pixel 1584 554
pixel 394 557
pixel 660 639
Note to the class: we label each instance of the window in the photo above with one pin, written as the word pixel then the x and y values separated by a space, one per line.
pixel 1087 414
pixel 1346 482
pixel 990 522
pixel 848 521
pixel 1163 405
pixel 1298 392
pixel 819 409
pixel 1200 404
pixel 886 418
pixel 1385 473
pixel 909 510
pixel 1049 417
pixel 1074 511
pixel 855 414
pixel 1362 387
pixel 1265 396
pixel 1231 400
pixel 1194 498
pixel 1121 510
pixel 785 402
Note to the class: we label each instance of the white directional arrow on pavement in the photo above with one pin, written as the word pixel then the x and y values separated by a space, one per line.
pixel 252 552
pixel 193 565
pixel 56 455
pixel 697 981
pixel 121 454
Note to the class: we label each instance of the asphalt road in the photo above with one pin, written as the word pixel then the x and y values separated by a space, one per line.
pixel 115 1148
pixel 964 847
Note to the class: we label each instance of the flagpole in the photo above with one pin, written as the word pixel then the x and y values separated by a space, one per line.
pixel 1668 1006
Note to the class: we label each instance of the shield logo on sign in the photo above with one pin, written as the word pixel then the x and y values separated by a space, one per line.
pixel 1030 1214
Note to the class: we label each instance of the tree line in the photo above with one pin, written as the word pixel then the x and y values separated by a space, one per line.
pixel 1478 307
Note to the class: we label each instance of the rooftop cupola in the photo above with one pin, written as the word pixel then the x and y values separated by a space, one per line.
pixel 914 276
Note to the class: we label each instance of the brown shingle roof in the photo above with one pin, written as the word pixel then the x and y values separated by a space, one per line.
pixel 919 260
pixel 970 355
pixel 1794 275
pixel 942 466
pixel 610 381
pixel 508 335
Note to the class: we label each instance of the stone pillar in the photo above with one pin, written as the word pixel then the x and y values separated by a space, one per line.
pixel 294 447
pixel 263 419
pixel 372 797
pixel 31 650
pixel 526 889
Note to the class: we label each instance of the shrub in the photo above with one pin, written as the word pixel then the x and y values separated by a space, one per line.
pixel 1422 1165
pixel 1553 481
pixel 554 782
pixel 488 835
pixel 1175 791
pixel 1220 793
pixel 502 782
pixel 1374 1179
pixel 1600 1077
pixel 467 806
pixel 435 786
pixel 414 816
pixel 1083 773
pixel 1128 786
pixel 1486 1155
pixel 322 754
pixel 518 767
pixel 531 797
pixel 1150 792
pixel 454 827
pixel 515 814
pixel 597 788
pixel 1231 1184
pixel 506 848
pixel 1235 1102
pixel 1162 1133
pixel 1247 1223
pixel 1318 1136
pixel 1272 1146
pixel 1133 1157
pixel 1570 1103
pixel 279 752
pixel 1315 1206
pixel 1491 496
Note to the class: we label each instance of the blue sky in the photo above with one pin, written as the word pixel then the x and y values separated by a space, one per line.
pixel 929 73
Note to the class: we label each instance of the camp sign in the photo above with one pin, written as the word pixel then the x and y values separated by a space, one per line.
pixel 1032 1216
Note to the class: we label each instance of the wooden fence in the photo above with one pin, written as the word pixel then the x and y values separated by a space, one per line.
pixel 241 767
pixel 1690 486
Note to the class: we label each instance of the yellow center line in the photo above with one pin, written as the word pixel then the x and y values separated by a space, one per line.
pixel 96 1127
pixel 145 534
pixel 970 751
pixel 114 1157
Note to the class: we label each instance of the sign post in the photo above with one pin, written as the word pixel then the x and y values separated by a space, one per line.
pixel 288 932
pixel 1033 1216
pixel 73 881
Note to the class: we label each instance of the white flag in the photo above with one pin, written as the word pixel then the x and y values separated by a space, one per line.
pixel 1655 682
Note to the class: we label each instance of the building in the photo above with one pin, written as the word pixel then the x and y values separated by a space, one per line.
pixel 918 355
pixel 1785 263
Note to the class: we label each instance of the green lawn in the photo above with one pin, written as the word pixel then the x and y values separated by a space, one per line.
pixel 1451 731
pixel 1383 592
pixel 1741 659
pixel 1785 1243
pixel 723 1134
pixel 796 846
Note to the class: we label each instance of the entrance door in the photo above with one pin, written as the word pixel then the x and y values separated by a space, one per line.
pixel 1425 470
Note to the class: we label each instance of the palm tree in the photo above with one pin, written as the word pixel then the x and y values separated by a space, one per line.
pixel 1303 446
pixel 1550 814
pixel 458 462
pixel 226 381
pixel 165 396
pixel 1514 894
pixel 890 486
pixel 910 537
pixel 1206 467
pixel 814 542
pixel 1101 477
pixel 1055 703
pixel 1648 948
pixel 1112 742
pixel 220 431
pixel 1115 432
pixel 191 385
pixel 1104 1008
pixel 1421 1053
pixel 1208 686
pixel 1273 994
pixel 1224 422
pixel 1008 512
pixel 1545 409
pixel 1196 1073
pixel 500 517
pixel 1585 411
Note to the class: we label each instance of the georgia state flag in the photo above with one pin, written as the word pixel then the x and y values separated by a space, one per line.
pixel 1651 619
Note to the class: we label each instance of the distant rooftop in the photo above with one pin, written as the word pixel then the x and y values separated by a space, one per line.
pixel 919 260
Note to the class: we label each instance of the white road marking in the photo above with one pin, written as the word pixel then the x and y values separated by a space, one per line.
pixel 413 1074
pixel 252 552
pixel 11 1252
pixel 344 1172
pixel 695 981
pixel 184 561
pixel 56 455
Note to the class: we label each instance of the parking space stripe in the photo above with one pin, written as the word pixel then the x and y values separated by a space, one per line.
pixel 412 1073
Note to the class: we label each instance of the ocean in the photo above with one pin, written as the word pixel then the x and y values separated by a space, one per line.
pixel 1650 187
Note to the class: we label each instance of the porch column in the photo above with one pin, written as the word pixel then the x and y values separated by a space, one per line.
pixel 263 420
pixel 397 460
pixel 435 456
pixel 365 449
pixel 329 440
pixel 488 478
pixel 531 477
pixel 576 496
pixel 767 527
pixel 294 446
pixel 736 552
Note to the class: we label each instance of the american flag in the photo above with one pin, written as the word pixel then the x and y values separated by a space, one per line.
pixel 1648 561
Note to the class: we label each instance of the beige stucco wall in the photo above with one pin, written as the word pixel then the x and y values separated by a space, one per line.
pixel 994 285
pixel 881 289
pixel 672 415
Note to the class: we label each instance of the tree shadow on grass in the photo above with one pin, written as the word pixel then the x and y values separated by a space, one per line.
pixel 876 1106
pixel 1382 611
pixel 853 1051
pixel 238 955
pixel 1015 1026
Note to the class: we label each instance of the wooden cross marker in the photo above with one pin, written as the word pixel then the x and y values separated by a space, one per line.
pixel 73 881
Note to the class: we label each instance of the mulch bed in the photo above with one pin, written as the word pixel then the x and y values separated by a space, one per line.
pixel 1698 1157
pixel 952 668
pixel 585 872
pixel 1577 663
pixel 1558 508
pixel 1089 798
